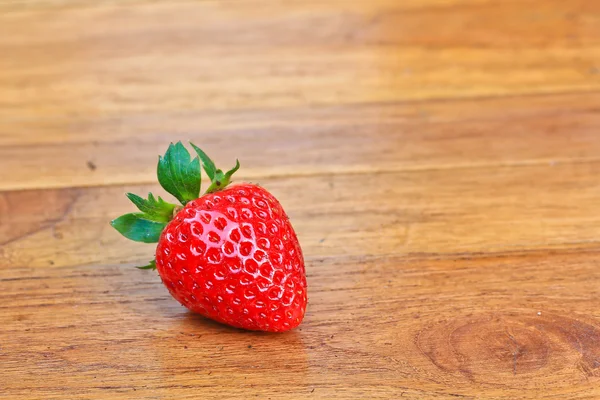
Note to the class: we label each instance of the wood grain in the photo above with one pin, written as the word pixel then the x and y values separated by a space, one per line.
pixel 439 160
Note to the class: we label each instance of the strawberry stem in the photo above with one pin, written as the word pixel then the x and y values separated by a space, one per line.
pixel 219 179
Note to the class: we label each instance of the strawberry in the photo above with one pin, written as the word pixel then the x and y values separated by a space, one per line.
pixel 230 255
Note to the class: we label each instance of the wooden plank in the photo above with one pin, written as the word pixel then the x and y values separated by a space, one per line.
pixel 390 214
pixel 208 79
pixel 359 139
pixel 506 23
pixel 377 327
pixel 213 57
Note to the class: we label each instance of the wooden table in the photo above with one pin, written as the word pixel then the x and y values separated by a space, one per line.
pixel 440 160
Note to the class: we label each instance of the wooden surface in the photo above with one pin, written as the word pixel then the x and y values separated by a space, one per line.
pixel 440 160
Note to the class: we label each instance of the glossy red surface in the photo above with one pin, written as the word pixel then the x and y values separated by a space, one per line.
pixel 234 257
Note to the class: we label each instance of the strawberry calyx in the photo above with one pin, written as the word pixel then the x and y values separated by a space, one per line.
pixel 219 179
pixel 179 175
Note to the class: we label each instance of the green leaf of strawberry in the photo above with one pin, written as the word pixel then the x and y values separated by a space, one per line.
pixel 207 164
pixel 138 228
pixel 179 175
pixel 154 210
pixel 151 265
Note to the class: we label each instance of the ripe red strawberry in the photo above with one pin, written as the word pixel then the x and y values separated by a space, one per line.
pixel 230 255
